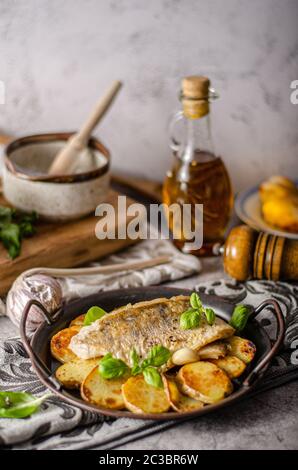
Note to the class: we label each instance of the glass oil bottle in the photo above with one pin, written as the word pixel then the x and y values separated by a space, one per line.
pixel 198 175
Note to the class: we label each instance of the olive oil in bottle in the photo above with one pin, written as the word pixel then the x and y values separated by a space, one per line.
pixel 198 175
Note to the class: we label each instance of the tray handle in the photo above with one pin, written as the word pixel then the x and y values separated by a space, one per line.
pixel 258 369
pixel 34 358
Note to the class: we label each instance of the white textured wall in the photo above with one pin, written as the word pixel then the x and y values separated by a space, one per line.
pixel 57 56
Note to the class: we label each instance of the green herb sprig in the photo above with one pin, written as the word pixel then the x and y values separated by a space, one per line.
pixel 93 314
pixel 157 356
pixel 191 318
pixel 14 226
pixel 110 367
pixel 20 404
pixel 240 316
pixel 152 377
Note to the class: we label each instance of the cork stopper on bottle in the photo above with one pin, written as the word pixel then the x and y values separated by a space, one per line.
pixel 195 93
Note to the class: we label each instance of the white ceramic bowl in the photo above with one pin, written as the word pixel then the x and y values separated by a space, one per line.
pixel 27 186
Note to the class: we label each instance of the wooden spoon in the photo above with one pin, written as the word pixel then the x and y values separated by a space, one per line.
pixel 66 158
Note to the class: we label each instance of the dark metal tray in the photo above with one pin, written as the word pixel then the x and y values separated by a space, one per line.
pixel 44 365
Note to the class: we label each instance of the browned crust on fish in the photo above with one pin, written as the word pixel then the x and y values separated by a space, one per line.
pixel 144 325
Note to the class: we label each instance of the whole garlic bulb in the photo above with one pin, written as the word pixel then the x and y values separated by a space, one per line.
pixel 45 289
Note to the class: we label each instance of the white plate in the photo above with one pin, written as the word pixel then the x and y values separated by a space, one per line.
pixel 248 209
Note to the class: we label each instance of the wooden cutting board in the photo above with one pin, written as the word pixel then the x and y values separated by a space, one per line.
pixel 60 245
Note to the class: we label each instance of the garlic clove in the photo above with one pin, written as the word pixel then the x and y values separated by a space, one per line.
pixel 213 351
pixel 184 356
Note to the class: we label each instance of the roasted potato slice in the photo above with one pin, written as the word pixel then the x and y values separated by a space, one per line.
pixel 172 392
pixel 72 373
pixel 186 404
pixel 140 397
pixel 102 392
pixel 78 321
pixel 178 401
pixel 60 342
pixel 242 348
pixel 204 381
pixel 231 365
pixel 212 351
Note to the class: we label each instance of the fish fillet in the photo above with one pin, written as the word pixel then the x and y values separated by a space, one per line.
pixel 142 326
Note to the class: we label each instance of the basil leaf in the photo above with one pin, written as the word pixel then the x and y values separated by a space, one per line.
pixel 190 319
pixel 195 301
pixel 152 377
pixel 134 357
pixel 240 317
pixel 10 236
pixel 136 369
pixel 210 315
pixel 93 314
pixel 111 368
pixel 14 226
pixel 26 229
pixel 158 355
pixel 19 404
pixel 6 214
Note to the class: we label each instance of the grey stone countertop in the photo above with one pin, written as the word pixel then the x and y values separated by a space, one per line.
pixel 266 421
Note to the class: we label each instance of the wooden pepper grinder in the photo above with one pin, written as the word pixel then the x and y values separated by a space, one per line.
pixel 248 254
